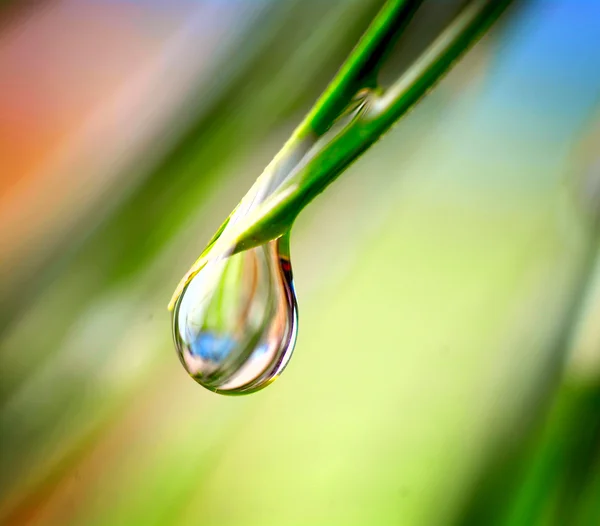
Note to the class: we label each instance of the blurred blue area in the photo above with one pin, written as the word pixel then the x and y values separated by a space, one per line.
pixel 548 67
pixel 212 347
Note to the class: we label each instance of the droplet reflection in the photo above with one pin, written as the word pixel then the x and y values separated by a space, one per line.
pixel 235 322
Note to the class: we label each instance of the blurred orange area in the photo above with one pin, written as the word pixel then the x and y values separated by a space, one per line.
pixel 58 64
pixel 80 95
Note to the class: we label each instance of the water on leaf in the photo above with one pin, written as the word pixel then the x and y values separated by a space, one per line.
pixel 235 322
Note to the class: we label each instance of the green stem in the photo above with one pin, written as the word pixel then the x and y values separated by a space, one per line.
pixel 359 72
pixel 304 168
pixel 279 211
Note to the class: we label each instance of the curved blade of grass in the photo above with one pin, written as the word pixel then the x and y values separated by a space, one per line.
pixel 276 214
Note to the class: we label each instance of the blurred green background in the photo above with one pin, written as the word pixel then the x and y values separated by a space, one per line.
pixel 448 363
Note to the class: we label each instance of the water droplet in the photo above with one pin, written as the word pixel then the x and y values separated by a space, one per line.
pixel 235 322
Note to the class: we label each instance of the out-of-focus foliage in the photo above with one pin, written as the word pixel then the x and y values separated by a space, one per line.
pixel 439 280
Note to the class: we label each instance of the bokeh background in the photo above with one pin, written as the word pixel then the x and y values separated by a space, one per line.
pixel 448 362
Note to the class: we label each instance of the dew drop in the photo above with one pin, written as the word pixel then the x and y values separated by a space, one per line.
pixel 235 322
